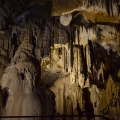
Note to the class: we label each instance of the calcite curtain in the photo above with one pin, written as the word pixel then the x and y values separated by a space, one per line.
pixel 60 58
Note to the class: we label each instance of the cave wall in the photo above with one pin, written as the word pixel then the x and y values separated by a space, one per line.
pixel 66 61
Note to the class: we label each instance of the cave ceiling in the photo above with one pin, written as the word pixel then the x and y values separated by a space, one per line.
pixel 104 11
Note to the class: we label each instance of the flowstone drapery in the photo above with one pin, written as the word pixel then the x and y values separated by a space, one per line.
pixel 60 58
pixel 20 79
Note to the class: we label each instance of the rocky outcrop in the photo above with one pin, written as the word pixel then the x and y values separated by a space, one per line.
pixel 20 79
pixel 67 51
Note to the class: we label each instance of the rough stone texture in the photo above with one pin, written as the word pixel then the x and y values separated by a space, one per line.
pixel 65 19
pixel 74 64
pixel 20 79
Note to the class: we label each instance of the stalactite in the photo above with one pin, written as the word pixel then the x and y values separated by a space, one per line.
pixel 100 74
pixel 81 66
pixel 88 57
pixel 66 60
pixel 90 43
pixel 108 7
pixel 111 6
pixel 81 56
pixel 88 64
pixel 63 57
pixel 85 63
pixel 72 41
pixel 79 62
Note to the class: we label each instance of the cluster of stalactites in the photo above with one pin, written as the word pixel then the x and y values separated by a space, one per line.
pixel 81 59
pixel 111 6
pixel 87 62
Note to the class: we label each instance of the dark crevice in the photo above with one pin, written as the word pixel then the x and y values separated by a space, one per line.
pixel 22 76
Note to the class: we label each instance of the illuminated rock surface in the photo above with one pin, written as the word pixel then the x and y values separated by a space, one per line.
pixel 60 58
pixel 20 79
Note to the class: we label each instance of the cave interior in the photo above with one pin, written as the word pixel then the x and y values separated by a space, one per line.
pixel 60 58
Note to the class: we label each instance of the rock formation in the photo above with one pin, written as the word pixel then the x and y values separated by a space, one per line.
pixel 20 79
pixel 66 52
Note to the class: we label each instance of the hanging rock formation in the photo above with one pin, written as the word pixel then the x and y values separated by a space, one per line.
pixel 60 58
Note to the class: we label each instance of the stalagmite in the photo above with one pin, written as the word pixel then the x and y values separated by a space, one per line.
pixel 60 58
pixel 20 81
